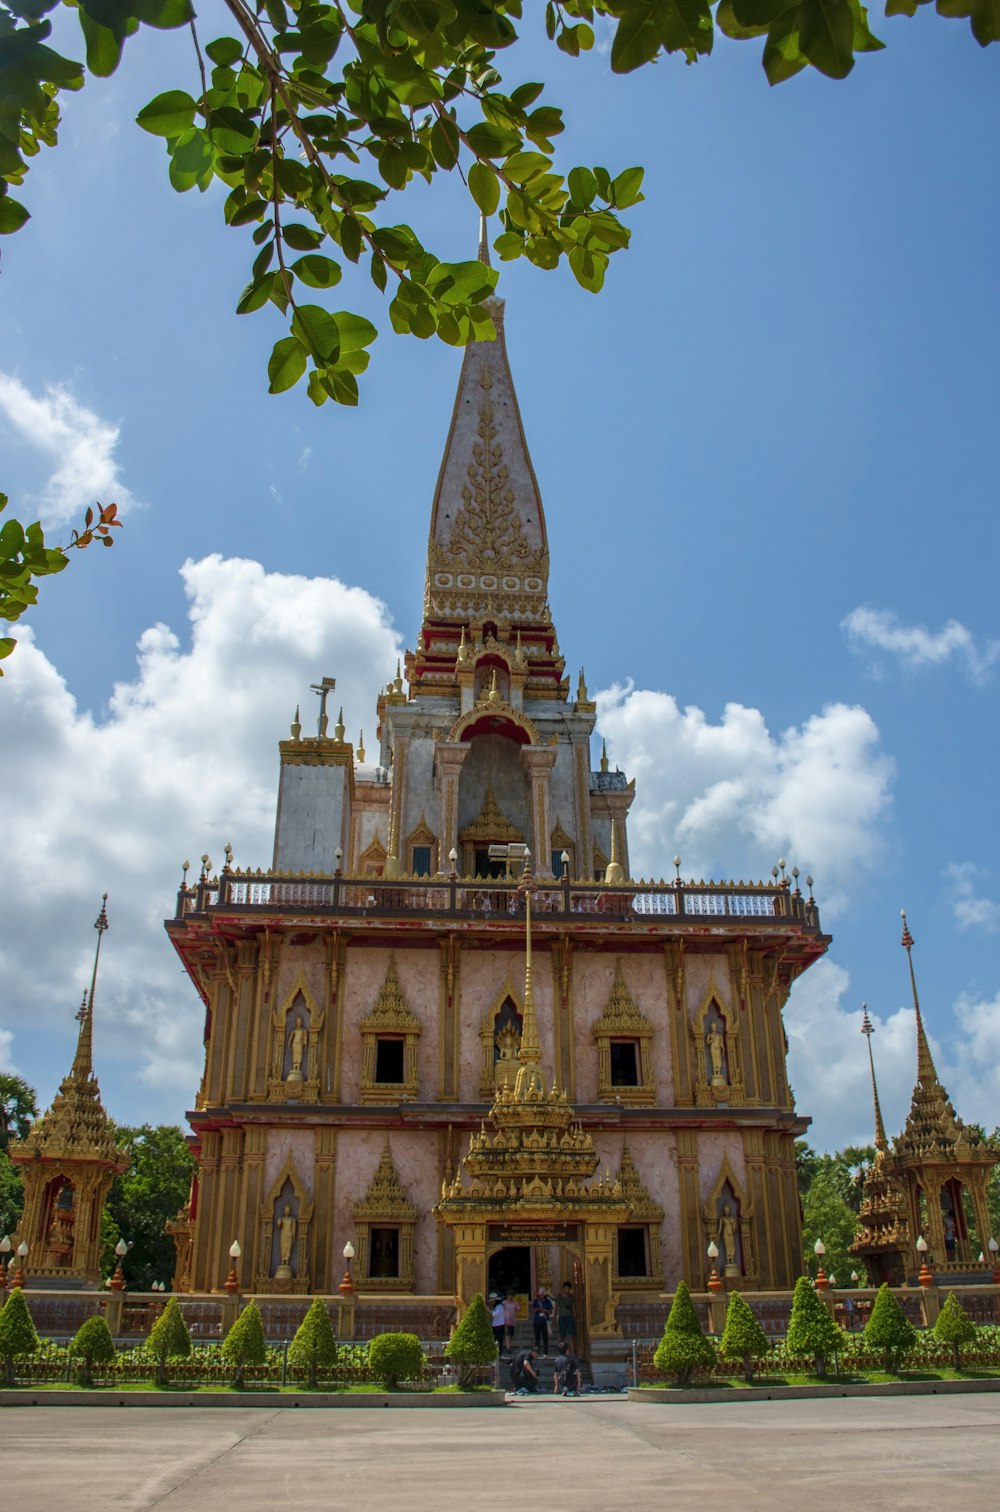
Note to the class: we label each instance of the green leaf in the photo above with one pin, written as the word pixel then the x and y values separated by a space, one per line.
pixel 637 39
pixel 524 166
pixel 104 47
pixel 163 14
pixel 350 238
pixel 225 51
pixel 826 36
pixel 758 13
pixel 489 141
pixel 525 95
pixel 301 238
pixel 318 272
pixel 781 58
pixel 255 295
pixel 588 268
pixel 317 329
pixel 484 187
pixel 12 215
pixel 379 275
pixel 445 142
pixel 582 187
pixel 191 161
pixel 625 189
pixel 286 365
pixel 232 132
pixel 355 332
pixel 985 21
pixel 169 115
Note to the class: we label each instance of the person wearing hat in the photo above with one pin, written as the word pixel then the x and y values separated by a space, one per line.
pixel 498 1320
pixel 541 1312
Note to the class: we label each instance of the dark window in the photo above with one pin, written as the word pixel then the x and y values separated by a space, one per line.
pixel 485 867
pixel 624 1063
pixel 389 1060
pixel 632 1252
pixel 384 1261
pixel 422 860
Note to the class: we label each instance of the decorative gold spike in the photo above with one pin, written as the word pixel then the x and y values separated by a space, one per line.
pixel 604 755
pixel 361 748
pixel 296 725
pixel 338 729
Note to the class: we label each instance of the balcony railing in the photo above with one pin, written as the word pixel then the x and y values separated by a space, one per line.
pixel 236 891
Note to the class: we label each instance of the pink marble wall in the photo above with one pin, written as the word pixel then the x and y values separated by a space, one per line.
pixel 414 1154
pixel 593 977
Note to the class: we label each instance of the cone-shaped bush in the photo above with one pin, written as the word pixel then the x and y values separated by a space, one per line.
pixel 18 1338
pixel 168 1339
pixel 811 1330
pixel 683 1347
pixel 472 1344
pixel 743 1338
pixel 314 1348
pixel 244 1344
pixel 92 1345
pixel 395 1357
pixel 953 1326
pixel 889 1329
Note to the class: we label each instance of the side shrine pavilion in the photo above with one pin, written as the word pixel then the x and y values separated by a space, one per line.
pixel 380 1072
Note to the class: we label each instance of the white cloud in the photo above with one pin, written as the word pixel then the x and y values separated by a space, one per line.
pixel 78 442
pixel 915 646
pixel 184 760
pixel 731 795
pixel 6 1060
pixel 971 911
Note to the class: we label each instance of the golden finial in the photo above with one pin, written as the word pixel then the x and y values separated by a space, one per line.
pixel 519 652
pixel 338 729
pixel 614 876
pixel 604 755
pixel 926 1073
pixel 420 641
pixel 868 1029
pixel 397 685
pixel 484 244
pixel 83 1063
pixel 296 725
pixel 493 697
pixel 582 696
pixel 361 747
pixel 462 652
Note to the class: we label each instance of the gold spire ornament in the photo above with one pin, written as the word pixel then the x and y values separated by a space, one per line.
pixel 296 725
pixel 604 755
pixel 614 875
pixel 868 1029
pixel 361 748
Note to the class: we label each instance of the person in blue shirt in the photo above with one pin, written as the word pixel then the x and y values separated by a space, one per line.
pixel 541 1314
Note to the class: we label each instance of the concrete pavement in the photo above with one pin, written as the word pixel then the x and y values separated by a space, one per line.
pixel 921 1454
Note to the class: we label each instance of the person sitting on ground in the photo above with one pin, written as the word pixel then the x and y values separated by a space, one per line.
pixel 523 1375
pixel 567 1373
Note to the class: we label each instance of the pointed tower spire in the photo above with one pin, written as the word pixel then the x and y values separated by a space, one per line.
pixel 614 874
pixel 484 243
pixel 604 755
pixel 926 1073
pixel 83 1062
pixel 868 1029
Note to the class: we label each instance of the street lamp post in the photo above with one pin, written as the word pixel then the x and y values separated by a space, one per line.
pixel 232 1284
pixel 925 1275
pixel 715 1281
pixel 993 1248
pixel 117 1282
pixel 22 1254
pixel 346 1287
pixel 4 1256
pixel 822 1282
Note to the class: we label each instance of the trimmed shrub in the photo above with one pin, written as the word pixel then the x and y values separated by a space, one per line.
pixel 683 1347
pixel 811 1330
pixel 889 1329
pixel 18 1338
pixel 743 1338
pixel 314 1348
pixel 395 1357
pixel 244 1344
pixel 953 1326
pixel 472 1344
pixel 93 1345
pixel 168 1340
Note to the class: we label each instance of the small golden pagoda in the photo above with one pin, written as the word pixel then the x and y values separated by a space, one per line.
pixel 933 1184
pixel 67 1162
pixel 530 1180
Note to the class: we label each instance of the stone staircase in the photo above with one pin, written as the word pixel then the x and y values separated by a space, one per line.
pixel 524 1338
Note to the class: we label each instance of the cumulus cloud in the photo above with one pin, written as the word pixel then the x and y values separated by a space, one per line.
pixel 6 1060
pixel 731 798
pixel 915 646
pixel 79 444
pixel 970 909
pixel 183 760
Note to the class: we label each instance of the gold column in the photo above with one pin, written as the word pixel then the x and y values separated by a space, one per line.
pixel 562 997
pixel 448 759
pixel 242 1027
pixel 325 1253
pixel 249 1227
pixel 221 997
pixel 677 1019
pixel 585 840
pixel 335 1017
pixel 753 1154
pixel 228 1209
pixel 692 1257
pixel 538 762
pixel 204 1263
pixel 449 1018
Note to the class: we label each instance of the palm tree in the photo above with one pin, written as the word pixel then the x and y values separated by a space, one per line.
pixel 18 1106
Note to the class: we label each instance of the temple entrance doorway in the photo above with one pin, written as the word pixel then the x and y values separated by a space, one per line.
pixel 510 1271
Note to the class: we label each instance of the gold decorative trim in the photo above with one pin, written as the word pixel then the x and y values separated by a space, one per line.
pixel 622 1019
pixel 707 1091
pixel 305 1088
pixel 385 1204
pixel 389 1017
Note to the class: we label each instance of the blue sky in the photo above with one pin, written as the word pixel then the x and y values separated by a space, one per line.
pixel 781 411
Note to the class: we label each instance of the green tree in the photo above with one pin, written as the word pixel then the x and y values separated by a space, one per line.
pixel 811 1329
pixel 889 1329
pixel 472 1344
pixel 314 1347
pixel 11 1195
pixel 743 1338
pixel 395 1357
pixel 954 1326
pixel 18 1101
pixel 143 1198
pixel 244 1344
pixel 18 1338
pixel 92 1345
pixel 168 1339
pixel 826 1215
pixel 684 1346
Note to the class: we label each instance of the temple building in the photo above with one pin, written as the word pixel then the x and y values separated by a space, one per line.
pixel 382 1070
pixel 924 1196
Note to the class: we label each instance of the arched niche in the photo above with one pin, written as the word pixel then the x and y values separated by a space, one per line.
pixel 287 1191
pixel 501 1026
pixel 727 1218
pixel 296 1026
pixel 718 1067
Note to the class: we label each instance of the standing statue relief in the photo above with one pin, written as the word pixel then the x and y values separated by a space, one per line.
pixel 298 1041
pixel 715 1044
pixel 287 1229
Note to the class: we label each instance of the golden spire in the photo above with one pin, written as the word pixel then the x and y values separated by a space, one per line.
pixel 462 651
pixel 926 1074
pixel 83 1063
pixel 604 755
pixel 296 725
pixel 397 682
pixel 529 1078
pixel 582 696
pixel 868 1029
pixel 338 729
pixel 361 747
pixel 484 243
pixel 614 876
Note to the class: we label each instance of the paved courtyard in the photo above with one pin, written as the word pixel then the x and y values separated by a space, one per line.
pixel 913 1453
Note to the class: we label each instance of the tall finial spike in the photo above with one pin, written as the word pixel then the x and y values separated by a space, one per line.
pixel 604 755
pixel 614 874
pixel 83 1063
pixel 361 748
pixel 868 1029
pixel 484 243
pixel 530 1054
pixel 296 725
pixel 926 1072
pixel 339 729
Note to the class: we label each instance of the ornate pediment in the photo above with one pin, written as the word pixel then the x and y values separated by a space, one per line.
pixel 635 1192
pixel 491 824
pixel 622 1015
pixel 385 1198
pixel 390 1013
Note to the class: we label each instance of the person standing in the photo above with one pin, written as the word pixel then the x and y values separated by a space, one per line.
pixel 541 1316
pixel 499 1322
pixel 509 1318
pixel 567 1314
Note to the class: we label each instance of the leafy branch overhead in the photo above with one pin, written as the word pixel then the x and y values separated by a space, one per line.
pixel 314 115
